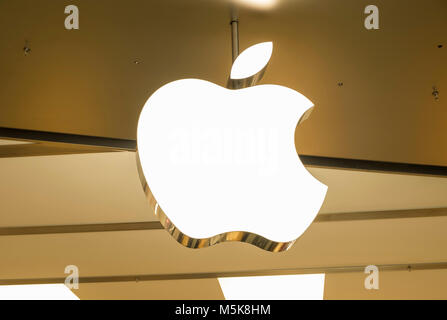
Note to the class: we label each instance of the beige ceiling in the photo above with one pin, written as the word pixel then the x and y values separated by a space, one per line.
pixel 85 81
pixel 154 252
pixel 402 285
pixel 105 188
pixel 200 289
pixel 420 285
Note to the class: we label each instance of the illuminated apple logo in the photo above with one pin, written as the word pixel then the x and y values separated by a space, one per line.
pixel 220 164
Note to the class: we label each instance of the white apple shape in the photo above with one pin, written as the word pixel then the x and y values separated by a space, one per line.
pixel 221 164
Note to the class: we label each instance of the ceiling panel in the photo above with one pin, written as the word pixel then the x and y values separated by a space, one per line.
pixel 393 285
pixel 105 188
pixel 353 243
pixel 71 189
pixel 199 289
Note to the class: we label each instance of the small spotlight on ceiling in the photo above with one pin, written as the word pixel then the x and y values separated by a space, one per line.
pixel 26 49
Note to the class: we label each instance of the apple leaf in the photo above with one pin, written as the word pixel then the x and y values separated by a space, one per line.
pixel 252 60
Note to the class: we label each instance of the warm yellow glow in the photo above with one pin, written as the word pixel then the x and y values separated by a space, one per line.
pixel 257 4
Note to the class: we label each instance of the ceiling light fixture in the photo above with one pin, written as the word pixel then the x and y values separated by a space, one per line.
pixel 257 4
pixel 221 165
pixel 284 287
pixel 37 292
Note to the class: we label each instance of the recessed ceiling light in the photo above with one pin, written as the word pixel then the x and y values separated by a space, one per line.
pixel 285 287
pixel 258 4
pixel 37 292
